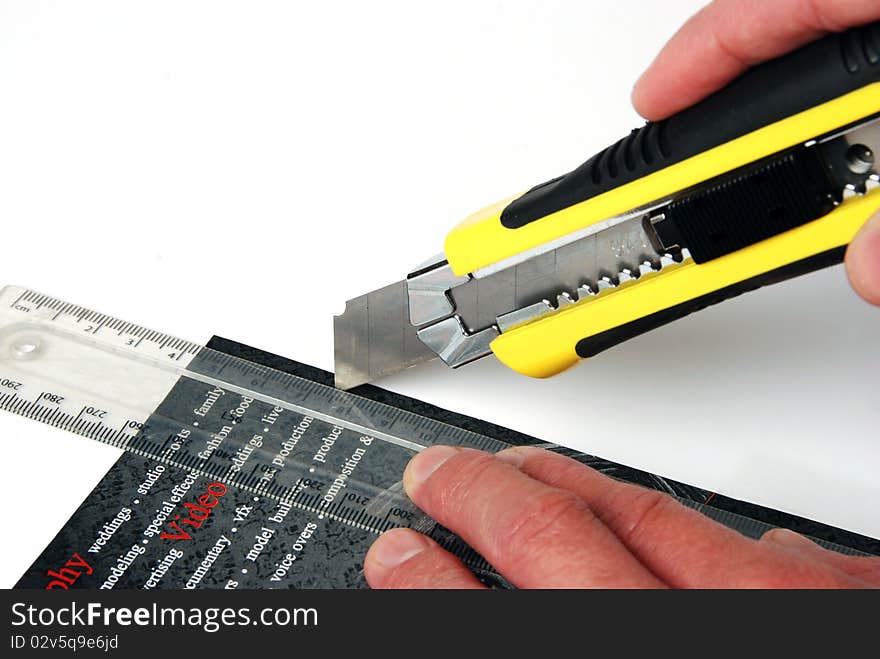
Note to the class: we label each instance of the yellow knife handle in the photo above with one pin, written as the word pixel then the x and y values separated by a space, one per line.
pixel 774 108
pixel 549 345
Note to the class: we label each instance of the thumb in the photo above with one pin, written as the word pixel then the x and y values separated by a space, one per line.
pixel 863 261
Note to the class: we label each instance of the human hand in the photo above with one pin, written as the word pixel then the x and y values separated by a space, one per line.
pixel 547 521
pixel 728 36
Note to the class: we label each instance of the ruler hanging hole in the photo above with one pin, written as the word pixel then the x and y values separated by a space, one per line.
pixel 26 347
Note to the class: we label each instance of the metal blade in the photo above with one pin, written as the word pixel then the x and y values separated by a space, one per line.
pixel 556 275
pixel 374 338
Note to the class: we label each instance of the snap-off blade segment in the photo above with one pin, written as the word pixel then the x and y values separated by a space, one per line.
pixel 584 262
pixel 374 338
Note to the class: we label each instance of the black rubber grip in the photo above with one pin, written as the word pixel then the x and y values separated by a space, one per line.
pixel 754 205
pixel 593 345
pixel 817 73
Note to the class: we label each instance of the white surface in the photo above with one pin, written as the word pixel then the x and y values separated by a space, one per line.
pixel 243 168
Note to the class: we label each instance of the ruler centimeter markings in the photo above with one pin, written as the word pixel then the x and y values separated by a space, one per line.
pixel 151 344
pixel 88 356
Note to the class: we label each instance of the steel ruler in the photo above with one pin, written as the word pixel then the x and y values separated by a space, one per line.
pixel 267 478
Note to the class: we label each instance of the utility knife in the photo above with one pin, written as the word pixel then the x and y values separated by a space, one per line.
pixel 767 179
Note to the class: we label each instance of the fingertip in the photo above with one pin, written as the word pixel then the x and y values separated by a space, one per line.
pixel 646 102
pixel 517 456
pixel 788 538
pixel 863 261
pixel 423 464
pixel 403 558
pixel 637 100
pixel 390 550
pixel 514 456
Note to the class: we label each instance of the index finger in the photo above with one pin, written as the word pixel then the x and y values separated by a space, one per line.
pixel 537 536
pixel 727 37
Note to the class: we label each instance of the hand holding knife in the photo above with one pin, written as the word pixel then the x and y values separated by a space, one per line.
pixel 767 179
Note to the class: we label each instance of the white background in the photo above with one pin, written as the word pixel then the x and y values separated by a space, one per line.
pixel 244 168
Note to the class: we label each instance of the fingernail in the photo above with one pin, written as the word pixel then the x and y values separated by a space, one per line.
pixel 397 546
pixel 788 538
pixel 424 464
pixel 512 456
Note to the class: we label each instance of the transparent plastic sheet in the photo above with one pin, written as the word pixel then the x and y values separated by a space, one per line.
pixel 310 475
pixel 332 456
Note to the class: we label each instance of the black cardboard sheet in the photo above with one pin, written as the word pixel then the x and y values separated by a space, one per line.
pixel 242 541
